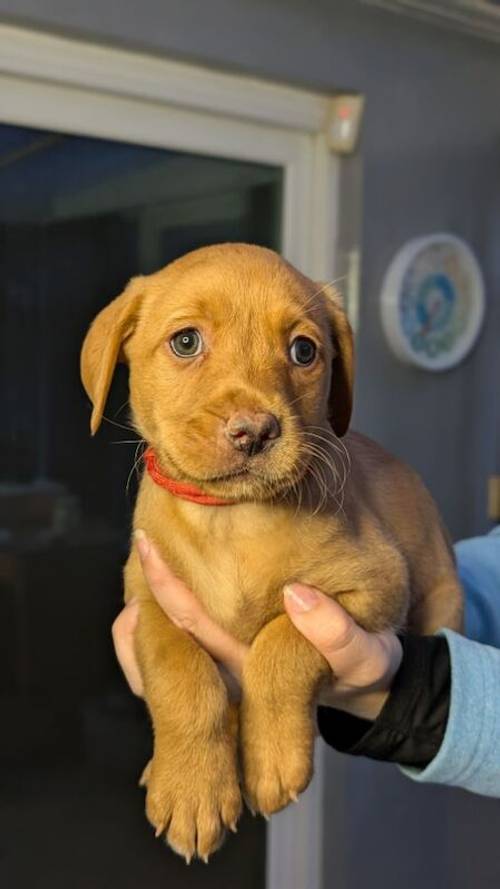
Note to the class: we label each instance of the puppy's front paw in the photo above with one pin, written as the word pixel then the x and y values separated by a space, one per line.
pixel 192 796
pixel 277 751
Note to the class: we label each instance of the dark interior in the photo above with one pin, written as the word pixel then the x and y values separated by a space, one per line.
pixel 78 217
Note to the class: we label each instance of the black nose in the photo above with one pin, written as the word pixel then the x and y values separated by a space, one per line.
pixel 252 432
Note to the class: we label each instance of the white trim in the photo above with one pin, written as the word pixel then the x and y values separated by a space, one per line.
pixel 309 167
pixel 477 17
pixel 69 86
pixel 72 62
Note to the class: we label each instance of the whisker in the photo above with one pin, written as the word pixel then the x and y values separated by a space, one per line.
pixel 315 472
pixel 317 452
pixel 121 408
pixel 321 289
pixel 138 457
pixel 118 425
pixel 299 398
pixel 324 447
pixel 339 447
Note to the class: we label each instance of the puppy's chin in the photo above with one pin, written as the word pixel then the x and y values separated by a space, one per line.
pixel 252 479
pixel 252 486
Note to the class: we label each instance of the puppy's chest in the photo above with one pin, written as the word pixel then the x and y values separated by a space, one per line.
pixel 239 575
pixel 239 585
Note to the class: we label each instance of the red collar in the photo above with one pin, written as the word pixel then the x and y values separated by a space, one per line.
pixel 180 489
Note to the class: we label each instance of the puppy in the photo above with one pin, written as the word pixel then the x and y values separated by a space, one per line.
pixel 241 376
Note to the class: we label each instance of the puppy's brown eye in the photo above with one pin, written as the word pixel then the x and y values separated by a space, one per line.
pixel 186 343
pixel 303 351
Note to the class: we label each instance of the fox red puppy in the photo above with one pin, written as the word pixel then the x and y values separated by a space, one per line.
pixel 241 378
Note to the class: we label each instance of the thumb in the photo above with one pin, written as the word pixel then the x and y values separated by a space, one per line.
pixel 332 631
pixel 183 608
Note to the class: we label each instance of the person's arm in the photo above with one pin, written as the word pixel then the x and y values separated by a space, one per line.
pixel 469 756
pixel 410 728
pixel 442 716
pixel 441 737
pixel 478 563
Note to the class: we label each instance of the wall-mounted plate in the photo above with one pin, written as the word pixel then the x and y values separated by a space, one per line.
pixel 432 302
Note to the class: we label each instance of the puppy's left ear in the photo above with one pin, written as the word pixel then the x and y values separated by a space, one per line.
pixel 340 399
pixel 103 346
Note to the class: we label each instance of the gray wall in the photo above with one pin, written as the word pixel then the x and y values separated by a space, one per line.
pixel 430 158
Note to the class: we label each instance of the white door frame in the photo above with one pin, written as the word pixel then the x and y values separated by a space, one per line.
pixel 61 84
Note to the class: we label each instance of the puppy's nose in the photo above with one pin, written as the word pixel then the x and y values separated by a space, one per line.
pixel 252 432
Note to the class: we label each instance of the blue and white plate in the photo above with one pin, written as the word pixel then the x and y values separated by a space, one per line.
pixel 432 302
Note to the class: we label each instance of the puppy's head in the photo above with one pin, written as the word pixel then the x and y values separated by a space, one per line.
pixel 239 367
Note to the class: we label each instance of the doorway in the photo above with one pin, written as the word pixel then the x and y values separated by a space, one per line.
pixel 110 168
pixel 79 216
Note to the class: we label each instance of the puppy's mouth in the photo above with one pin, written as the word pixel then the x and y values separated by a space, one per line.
pixel 251 480
pixel 232 474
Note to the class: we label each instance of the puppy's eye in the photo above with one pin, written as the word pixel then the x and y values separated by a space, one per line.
pixel 303 351
pixel 186 343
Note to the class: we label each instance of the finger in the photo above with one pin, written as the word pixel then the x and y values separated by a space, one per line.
pixel 122 631
pixel 353 654
pixel 184 609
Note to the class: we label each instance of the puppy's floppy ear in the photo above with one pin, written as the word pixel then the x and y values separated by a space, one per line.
pixel 102 347
pixel 342 372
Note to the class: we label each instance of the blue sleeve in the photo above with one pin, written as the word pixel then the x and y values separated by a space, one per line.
pixel 469 756
pixel 478 562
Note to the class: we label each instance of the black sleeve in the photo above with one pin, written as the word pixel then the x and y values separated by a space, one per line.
pixel 410 728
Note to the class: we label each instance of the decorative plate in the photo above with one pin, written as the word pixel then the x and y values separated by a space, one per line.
pixel 432 302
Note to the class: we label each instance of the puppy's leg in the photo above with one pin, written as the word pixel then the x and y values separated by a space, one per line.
pixel 192 783
pixel 281 678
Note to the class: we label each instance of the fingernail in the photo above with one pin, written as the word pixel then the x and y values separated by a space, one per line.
pixel 141 542
pixel 301 598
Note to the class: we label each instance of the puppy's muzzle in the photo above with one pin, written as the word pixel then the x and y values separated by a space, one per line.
pixel 251 432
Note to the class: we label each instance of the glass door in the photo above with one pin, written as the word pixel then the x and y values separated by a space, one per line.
pixel 78 217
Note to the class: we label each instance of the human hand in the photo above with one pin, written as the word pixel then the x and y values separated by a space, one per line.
pixel 363 664
pixel 185 611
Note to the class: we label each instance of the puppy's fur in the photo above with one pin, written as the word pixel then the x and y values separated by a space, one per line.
pixel 322 505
